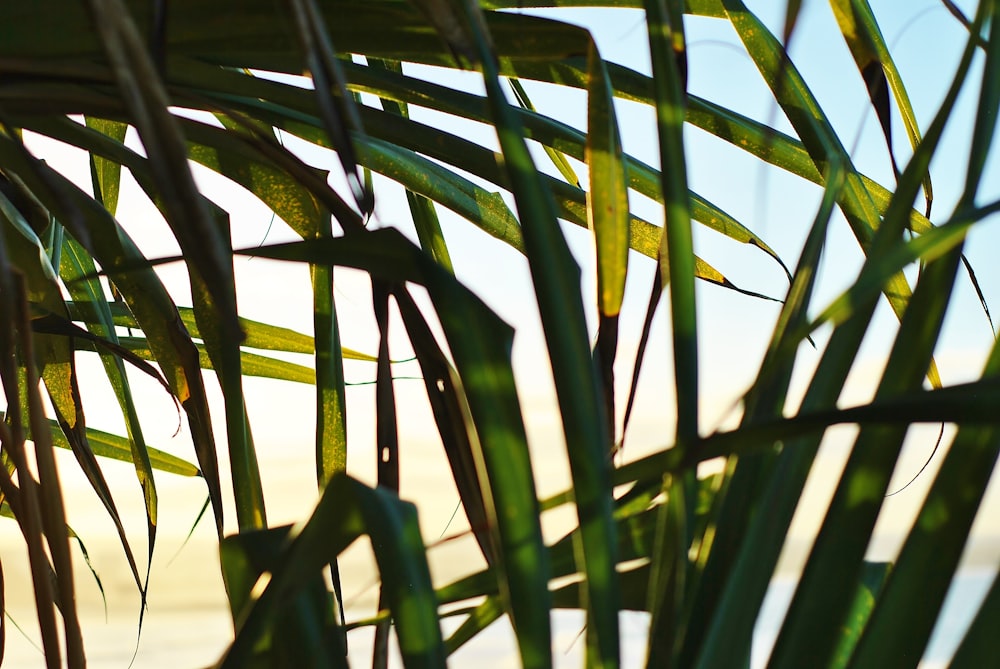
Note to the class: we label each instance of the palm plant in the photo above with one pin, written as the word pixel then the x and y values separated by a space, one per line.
pixel 695 551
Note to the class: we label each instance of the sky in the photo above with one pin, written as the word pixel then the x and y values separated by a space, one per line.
pixel 925 41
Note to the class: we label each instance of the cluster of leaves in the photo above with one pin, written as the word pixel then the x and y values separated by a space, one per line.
pixel 697 554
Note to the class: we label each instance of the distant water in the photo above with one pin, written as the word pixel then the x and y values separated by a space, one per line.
pixel 176 637
pixel 961 604
pixel 187 624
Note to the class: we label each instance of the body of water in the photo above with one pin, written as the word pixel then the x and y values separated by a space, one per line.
pixel 188 626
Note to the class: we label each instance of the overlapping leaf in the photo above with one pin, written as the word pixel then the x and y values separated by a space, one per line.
pixel 705 549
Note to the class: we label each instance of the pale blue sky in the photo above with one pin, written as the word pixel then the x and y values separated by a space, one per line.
pixel 925 40
pixel 735 327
